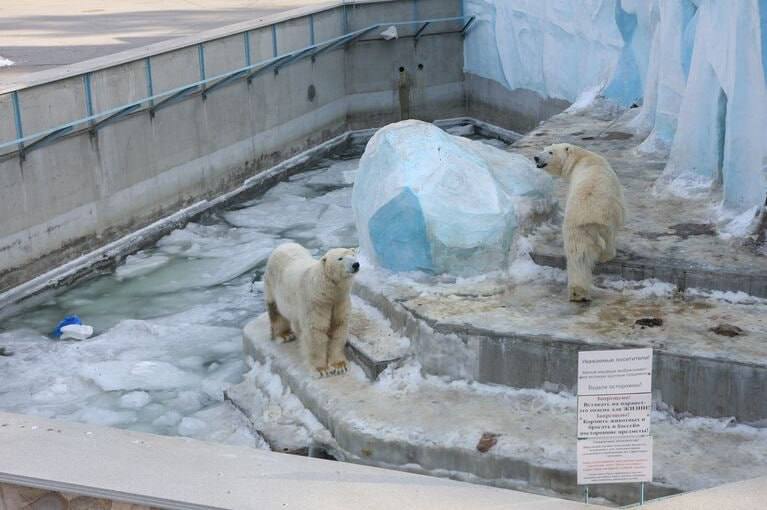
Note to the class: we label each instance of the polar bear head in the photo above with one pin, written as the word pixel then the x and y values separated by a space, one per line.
pixel 340 263
pixel 554 157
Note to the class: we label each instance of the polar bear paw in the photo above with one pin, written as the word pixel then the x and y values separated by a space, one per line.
pixel 579 294
pixel 339 368
pixel 286 337
pixel 324 371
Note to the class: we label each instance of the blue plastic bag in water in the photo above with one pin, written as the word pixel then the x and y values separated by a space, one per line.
pixel 66 321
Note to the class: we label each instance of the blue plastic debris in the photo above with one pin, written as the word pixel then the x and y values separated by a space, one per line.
pixel 66 321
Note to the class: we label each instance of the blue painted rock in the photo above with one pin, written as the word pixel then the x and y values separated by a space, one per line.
pixel 425 200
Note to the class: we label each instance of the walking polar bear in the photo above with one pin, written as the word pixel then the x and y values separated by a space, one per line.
pixel 594 212
pixel 310 300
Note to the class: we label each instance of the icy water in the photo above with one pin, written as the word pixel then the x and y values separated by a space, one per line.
pixel 168 321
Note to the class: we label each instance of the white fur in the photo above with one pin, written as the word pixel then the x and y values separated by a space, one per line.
pixel 594 212
pixel 309 299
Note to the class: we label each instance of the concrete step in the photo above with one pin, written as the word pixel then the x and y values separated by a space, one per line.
pixel 372 343
pixel 682 275
pixel 429 425
pixel 521 331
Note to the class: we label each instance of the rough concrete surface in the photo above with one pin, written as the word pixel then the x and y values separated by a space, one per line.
pixel 169 472
pixel 744 495
pixel 520 330
pixel 429 425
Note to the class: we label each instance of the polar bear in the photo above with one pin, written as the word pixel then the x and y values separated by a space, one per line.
pixel 595 210
pixel 310 300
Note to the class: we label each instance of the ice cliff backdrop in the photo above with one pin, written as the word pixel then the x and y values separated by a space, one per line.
pixel 696 67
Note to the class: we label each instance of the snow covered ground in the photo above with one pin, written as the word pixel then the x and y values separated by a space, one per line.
pixel 168 321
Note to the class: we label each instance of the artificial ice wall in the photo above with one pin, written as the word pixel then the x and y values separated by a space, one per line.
pixel 697 68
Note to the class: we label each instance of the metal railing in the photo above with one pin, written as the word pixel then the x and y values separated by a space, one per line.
pixel 206 85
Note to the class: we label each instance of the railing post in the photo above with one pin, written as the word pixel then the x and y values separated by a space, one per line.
pixel 88 100
pixel 246 37
pixel 17 121
pixel 274 40
pixel 201 60
pixel 149 85
pixel 311 30
pixel 274 45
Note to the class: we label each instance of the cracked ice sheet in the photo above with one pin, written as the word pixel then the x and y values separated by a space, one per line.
pixel 167 323
pixel 139 375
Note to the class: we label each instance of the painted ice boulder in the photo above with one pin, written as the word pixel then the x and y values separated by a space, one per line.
pixel 425 200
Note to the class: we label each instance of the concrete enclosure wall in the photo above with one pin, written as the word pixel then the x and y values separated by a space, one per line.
pixel 61 199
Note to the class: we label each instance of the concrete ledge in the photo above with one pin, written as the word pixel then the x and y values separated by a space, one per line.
pixel 433 428
pixel 512 337
pixel 683 276
pixel 123 57
pixel 172 472
pixel 745 495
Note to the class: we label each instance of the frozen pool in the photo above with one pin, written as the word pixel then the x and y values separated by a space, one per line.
pixel 168 337
pixel 168 322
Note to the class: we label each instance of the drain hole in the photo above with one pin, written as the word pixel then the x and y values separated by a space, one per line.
pixel 311 93
pixel 420 66
pixel 402 69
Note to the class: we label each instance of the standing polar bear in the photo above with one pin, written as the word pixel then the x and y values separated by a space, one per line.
pixel 594 212
pixel 310 300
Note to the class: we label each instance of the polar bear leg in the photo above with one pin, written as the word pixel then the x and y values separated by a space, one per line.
pixel 608 235
pixel 583 247
pixel 280 325
pixel 314 341
pixel 339 333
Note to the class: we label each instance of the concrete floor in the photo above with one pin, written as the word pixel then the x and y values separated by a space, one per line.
pixel 43 34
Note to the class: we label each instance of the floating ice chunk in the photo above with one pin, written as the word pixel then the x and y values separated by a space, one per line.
pixel 336 228
pixel 276 216
pixel 169 419
pixel 191 426
pixel 146 375
pixel 340 197
pixel 106 417
pixel 140 265
pixel 221 378
pixel 336 175
pixel 4 62
pixel 187 401
pixel 223 424
pixel 427 200
pixel 135 400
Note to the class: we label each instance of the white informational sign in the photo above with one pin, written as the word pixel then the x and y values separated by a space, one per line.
pixel 615 460
pixel 614 415
pixel 614 405
pixel 614 372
